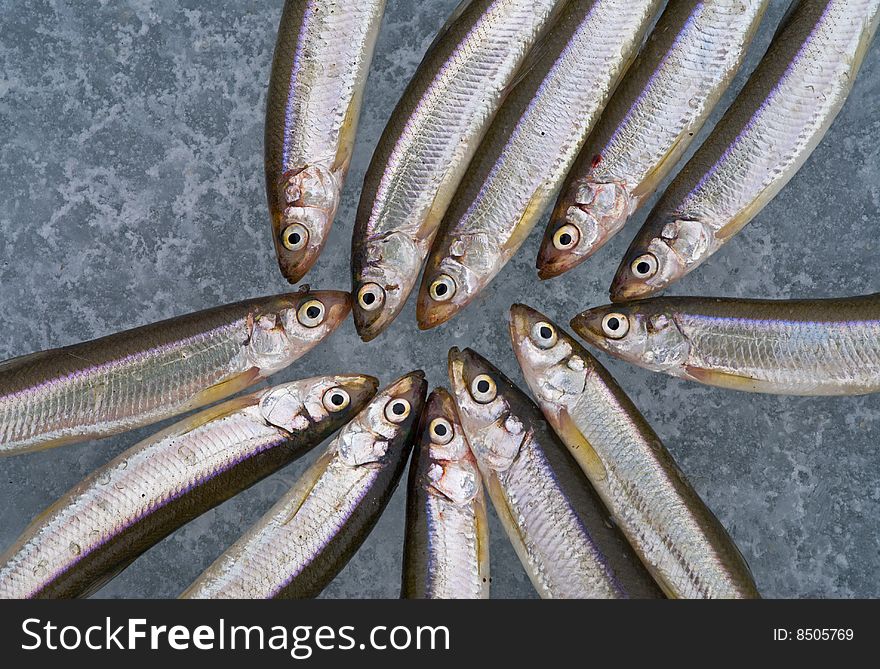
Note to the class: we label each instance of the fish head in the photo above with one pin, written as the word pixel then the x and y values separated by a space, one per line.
pixel 555 366
pixel 643 333
pixel 277 336
pixel 447 465
pixel 452 279
pixel 298 405
pixel 484 398
pixel 392 414
pixel 308 199
pixel 384 272
pixel 586 217
pixel 657 259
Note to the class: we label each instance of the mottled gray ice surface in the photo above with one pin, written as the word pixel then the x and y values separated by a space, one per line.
pixel 131 190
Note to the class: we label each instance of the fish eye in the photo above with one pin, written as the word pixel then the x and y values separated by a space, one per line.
pixel 442 288
pixel 336 399
pixel 644 267
pixel 441 431
pixel 544 334
pixel 483 389
pixel 615 325
pixel 371 296
pixel 397 410
pixel 294 237
pixel 311 314
pixel 566 237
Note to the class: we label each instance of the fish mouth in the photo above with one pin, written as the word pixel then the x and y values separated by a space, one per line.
pixel 520 321
pixel 625 287
pixel 294 265
pixel 361 388
pixel 371 323
pixel 412 387
pixel 430 313
pixel 337 304
pixel 464 365
pixel 588 325
pixel 552 262
pixel 440 405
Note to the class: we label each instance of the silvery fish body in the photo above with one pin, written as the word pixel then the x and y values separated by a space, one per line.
pixel 529 148
pixel 141 376
pixel 300 545
pixel 319 71
pixel 428 143
pixel 769 131
pixel 675 534
pixel 791 347
pixel 558 526
pixel 158 485
pixel 668 94
pixel 446 549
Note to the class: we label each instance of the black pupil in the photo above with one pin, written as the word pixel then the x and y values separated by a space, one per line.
pixel 441 289
pixel 483 386
pixel 313 312
pixel 613 323
pixel 440 430
pixel 294 238
pixel 369 298
pixel 398 409
pixel 545 332
pixel 643 267
pixel 565 239
pixel 337 399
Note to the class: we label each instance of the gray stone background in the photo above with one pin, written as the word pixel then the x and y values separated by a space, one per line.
pixel 131 190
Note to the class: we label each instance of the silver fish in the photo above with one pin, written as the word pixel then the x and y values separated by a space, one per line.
pixel 556 523
pixel 446 549
pixel 769 131
pixel 668 94
pixel 430 138
pixel 529 148
pixel 141 376
pixel 300 545
pixel 792 347
pixel 322 58
pixel 679 540
pixel 104 523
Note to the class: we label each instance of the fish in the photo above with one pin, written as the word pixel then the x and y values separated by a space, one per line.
pixel 527 151
pixel 429 141
pixel 105 522
pixel 137 377
pixel 767 134
pixel 695 50
pixel 558 526
pixel 677 537
pixel 446 548
pixel 319 71
pixel 825 346
pixel 305 540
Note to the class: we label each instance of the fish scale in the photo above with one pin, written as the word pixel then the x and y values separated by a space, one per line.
pixel 446 546
pixel 530 146
pixel 430 138
pixel 676 536
pixel 554 532
pixel 140 376
pixel 558 526
pixel 785 352
pixel 825 346
pixel 770 130
pixel 309 535
pixel 123 508
pixel 319 70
